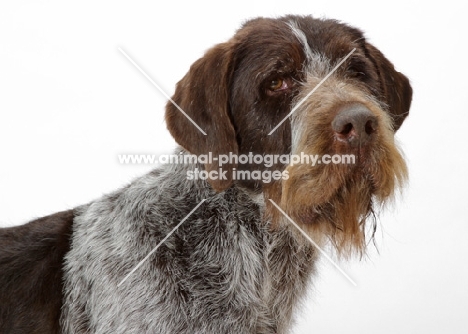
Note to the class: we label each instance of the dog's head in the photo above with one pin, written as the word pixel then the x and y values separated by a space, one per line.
pixel 241 90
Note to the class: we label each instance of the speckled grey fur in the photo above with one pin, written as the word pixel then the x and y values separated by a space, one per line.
pixel 223 271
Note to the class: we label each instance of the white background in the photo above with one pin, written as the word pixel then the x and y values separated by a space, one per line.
pixel 70 103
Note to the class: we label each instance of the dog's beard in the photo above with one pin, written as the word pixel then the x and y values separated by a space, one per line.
pixel 339 207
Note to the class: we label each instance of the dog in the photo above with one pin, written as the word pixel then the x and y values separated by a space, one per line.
pixel 229 258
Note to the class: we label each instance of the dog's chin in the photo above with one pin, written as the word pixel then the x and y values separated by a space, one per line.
pixel 338 217
pixel 336 203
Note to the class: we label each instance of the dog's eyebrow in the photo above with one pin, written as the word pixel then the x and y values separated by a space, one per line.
pixel 302 39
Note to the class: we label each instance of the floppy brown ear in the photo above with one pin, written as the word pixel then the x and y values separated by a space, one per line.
pixel 395 87
pixel 203 94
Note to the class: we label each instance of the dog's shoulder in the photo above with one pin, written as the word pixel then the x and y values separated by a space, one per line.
pixel 31 258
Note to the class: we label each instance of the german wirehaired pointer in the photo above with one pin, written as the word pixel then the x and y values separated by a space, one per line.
pixel 236 264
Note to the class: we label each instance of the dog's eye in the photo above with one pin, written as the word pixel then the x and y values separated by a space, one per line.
pixel 278 84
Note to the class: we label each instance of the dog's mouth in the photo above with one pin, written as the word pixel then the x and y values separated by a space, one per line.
pixel 358 185
pixel 321 195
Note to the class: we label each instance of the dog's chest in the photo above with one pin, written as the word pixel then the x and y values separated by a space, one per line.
pixel 223 270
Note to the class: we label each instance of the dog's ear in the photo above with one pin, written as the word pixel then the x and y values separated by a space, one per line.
pixel 395 87
pixel 203 94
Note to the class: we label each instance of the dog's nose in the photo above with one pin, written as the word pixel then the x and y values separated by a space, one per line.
pixel 354 124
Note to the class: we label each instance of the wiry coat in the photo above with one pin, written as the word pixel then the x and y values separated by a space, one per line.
pixel 221 271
